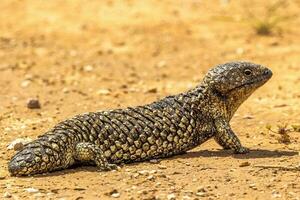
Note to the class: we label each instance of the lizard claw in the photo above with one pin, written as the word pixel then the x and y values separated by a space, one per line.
pixel 112 167
pixel 242 150
pixel 108 167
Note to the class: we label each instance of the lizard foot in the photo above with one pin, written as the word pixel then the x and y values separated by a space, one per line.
pixel 242 150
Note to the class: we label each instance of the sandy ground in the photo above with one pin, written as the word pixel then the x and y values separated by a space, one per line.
pixel 78 56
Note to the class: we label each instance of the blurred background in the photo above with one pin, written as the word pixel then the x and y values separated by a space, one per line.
pixel 74 56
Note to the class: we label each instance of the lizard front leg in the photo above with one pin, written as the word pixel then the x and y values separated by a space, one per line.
pixel 85 151
pixel 226 137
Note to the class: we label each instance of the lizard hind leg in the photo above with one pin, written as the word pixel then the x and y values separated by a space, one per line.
pixel 85 152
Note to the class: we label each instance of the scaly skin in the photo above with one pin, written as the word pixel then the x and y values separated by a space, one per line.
pixel 161 129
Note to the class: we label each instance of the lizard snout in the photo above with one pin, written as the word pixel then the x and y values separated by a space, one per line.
pixel 268 73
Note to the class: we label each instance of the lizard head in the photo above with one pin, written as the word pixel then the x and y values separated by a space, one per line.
pixel 237 77
pixel 236 81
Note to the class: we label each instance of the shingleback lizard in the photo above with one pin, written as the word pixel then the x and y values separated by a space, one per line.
pixel 161 129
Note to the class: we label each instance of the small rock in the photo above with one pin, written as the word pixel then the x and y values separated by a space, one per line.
pixel 171 196
pixel 152 171
pixel 161 64
pixel 154 161
pixel 151 90
pixel 185 197
pixel 143 172
pixel 7 195
pixel 88 68
pixel 162 167
pixel 114 193
pixel 201 189
pixel 33 104
pixel 240 51
pixel 25 83
pixel 162 176
pixel 253 186
pixel 176 172
pixel 18 144
pixel 280 105
pixel 103 92
pixel 65 90
pixel 31 190
pixel 244 164
pixel 150 177
pixel 188 192
pixel 276 194
pixel 200 194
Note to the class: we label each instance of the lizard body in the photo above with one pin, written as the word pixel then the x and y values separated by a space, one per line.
pixel 161 129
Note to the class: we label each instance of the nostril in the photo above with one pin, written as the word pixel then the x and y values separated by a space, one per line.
pixel 267 72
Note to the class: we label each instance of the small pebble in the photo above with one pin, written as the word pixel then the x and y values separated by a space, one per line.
pixel 201 189
pixel 7 195
pixel 88 68
pixel 18 144
pixel 150 177
pixel 161 64
pixel 244 164
pixel 25 83
pixel 171 197
pixel 33 104
pixel 151 90
pixel 240 51
pixel 114 193
pixel 200 194
pixel 185 197
pixel 253 186
pixel 31 190
pixel 103 92
pixel 276 194
pixel 154 161
pixel 152 171
pixel 162 167
pixel 65 90
pixel 143 172
pixel 158 184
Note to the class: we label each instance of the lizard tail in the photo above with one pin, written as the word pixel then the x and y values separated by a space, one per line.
pixel 47 153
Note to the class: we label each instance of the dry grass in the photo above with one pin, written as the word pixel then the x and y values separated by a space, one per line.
pixel 268 22
pixel 283 132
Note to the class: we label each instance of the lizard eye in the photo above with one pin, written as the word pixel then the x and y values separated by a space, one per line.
pixel 247 72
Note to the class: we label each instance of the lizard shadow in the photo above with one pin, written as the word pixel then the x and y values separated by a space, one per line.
pixel 254 153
